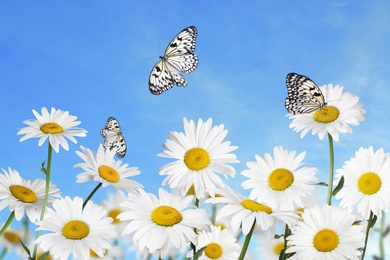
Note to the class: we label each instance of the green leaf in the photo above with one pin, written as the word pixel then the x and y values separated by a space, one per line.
pixel 198 253
pixel 44 256
pixel 322 184
pixel 43 169
pixel 25 248
pixel 339 186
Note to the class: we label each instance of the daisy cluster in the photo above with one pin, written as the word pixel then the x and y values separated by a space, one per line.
pixel 201 216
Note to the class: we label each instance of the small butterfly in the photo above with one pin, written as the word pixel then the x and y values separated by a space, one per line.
pixel 178 57
pixel 304 96
pixel 114 138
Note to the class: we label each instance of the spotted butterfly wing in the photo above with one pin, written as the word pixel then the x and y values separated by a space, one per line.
pixel 178 57
pixel 114 138
pixel 304 96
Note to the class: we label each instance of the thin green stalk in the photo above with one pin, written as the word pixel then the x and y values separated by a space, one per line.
pixel 369 225
pixel 2 254
pixel 6 225
pixel 246 242
pixel 47 172
pixel 92 193
pixel 287 232
pixel 331 169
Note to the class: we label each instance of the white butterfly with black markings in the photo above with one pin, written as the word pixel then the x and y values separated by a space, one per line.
pixel 114 138
pixel 304 96
pixel 178 57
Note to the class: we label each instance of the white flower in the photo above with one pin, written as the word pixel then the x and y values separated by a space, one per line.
pixel 218 244
pixel 326 233
pixel 24 195
pixel 270 249
pixel 341 111
pixel 164 223
pixel 56 125
pixel 243 212
pixel 9 241
pixel 112 205
pixel 102 167
pixel 280 182
pixel 200 154
pixel 75 230
pixel 366 182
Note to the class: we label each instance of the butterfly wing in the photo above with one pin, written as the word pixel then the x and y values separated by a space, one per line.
pixel 304 96
pixel 114 139
pixel 178 57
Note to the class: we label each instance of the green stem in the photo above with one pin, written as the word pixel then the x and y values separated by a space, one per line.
pixel 92 193
pixel 246 242
pixel 287 232
pixel 47 172
pixel 369 225
pixel 331 169
pixel 3 253
pixel 6 225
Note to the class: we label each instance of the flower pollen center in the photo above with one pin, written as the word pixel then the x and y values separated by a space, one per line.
pixel 51 128
pixel 11 237
pixel 75 230
pixel 255 206
pixel 23 194
pixel 280 179
pixel 325 240
pixel 196 159
pixel 278 247
pixel 213 251
pixel 327 114
pixel 166 216
pixel 369 183
pixel 108 173
pixel 113 214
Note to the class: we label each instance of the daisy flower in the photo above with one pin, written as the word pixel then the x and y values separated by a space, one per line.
pixel 243 212
pixel 219 244
pixel 326 233
pixel 75 230
pixel 102 167
pixel 341 111
pixel 114 209
pixel 200 154
pixel 10 240
pixel 164 223
pixel 281 182
pixel 22 195
pixel 366 182
pixel 270 249
pixel 56 125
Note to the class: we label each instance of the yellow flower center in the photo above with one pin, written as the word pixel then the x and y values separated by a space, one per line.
pixel 325 240
pixel 166 216
pixel 94 255
pixel 327 114
pixel 213 251
pixel 196 159
pixel 23 194
pixel 11 237
pixel 255 206
pixel 75 230
pixel 108 173
pixel 278 247
pixel 113 214
pixel 51 128
pixel 369 183
pixel 280 179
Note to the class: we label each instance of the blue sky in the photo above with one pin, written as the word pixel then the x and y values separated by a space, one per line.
pixel 93 59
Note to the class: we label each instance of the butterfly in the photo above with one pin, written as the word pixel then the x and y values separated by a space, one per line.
pixel 178 57
pixel 304 96
pixel 114 138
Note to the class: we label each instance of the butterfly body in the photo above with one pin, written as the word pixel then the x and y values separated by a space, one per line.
pixel 113 137
pixel 304 96
pixel 178 57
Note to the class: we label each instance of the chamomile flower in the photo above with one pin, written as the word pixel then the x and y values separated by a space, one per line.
pixel 200 153
pixel 11 238
pixel 114 209
pixel 281 182
pixel 219 244
pixel 366 182
pixel 102 167
pixel 74 230
pixel 243 212
pixel 162 223
pixel 22 195
pixel 342 111
pixel 326 233
pixel 56 125
pixel 270 249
